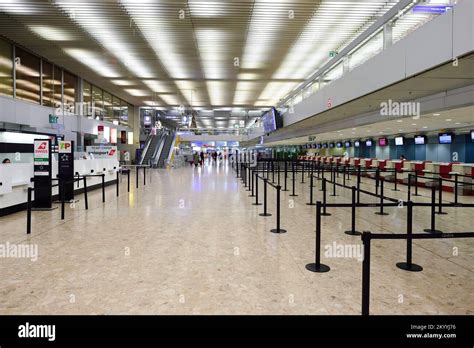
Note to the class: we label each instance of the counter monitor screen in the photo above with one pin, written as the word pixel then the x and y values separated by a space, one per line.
pixel 319 146
pixel 383 141
pixel 325 145
pixel 368 143
pixel 420 140
pixel 339 144
pixel 399 141
pixel 445 138
pixel 347 144
pixel 356 143
pixel 331 145
pixel 472 135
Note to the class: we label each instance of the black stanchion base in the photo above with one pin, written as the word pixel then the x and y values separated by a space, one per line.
pixel 429 230
pixel 411 268
pixel 251 195
pixel 333 195
pixel 293 195
pixel 256 203
pixel 310 203
pixel 275 230
pixel 326 214
pixel 395 190
pixel 321 269
pixel 441 213
pixel 379 213
pixel 353 233
pixel 44 209
pixel 263 214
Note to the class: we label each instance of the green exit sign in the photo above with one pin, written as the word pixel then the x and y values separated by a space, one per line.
pixel 53 119
pixel 333 54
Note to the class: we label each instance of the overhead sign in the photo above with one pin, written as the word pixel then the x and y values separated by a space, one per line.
pixel 102 151
pixel 65 146
pixel 53 119
pixel 431 9
pixel 333 54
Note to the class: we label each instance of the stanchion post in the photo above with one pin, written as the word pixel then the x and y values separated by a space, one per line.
pixel 416 185
pixel 456 188
pixel 144 176
pixel 366 237
pixel 408 265
pixel 103 187
pixel 381 212
pixel 28 211
pixel 256 190
pixel 265 213
pixel 117 184
pixel 395 180
pixel 324 213
pixel 61 186
pixel 409 188
pixel 353 231
pixel 311 182
pixel 433 209
pixel 136 179
pixel 317 266
pixel 128 180
pixel 86 202
pixel 358 185
pixel 293 180
pixel 440 197
pixel 278 228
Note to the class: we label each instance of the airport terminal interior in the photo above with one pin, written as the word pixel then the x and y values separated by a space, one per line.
pixel 237 157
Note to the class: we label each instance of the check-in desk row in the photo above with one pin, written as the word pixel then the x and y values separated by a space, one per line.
pixel 428 172
pixel 15 178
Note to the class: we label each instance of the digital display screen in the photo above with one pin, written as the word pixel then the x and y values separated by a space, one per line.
pixel 319 146
pixel 269 121
pixel 348 144
pixel 472 135
pixel 338 144
pixel 331 145
pixel 383 141
pixel 356 143
pixel 445 138
pixel 325 145
pixel 368 143
pixel 399 141
pixel 420 140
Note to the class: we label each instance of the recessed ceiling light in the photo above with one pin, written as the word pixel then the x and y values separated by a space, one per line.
pixel 425 127
pixel 458 123
pixel 400 130
pixel 399 121
pixel 413 124
pixel 436 114
pixel 448 119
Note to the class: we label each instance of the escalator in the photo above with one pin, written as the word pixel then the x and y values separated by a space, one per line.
pixel 166 150
pixel 151 148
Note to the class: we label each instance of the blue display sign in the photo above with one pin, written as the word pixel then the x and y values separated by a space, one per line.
pixel 431 9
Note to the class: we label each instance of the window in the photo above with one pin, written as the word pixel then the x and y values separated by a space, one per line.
pixel 97 100
pixel 27 76
pixel 6 68
pixel 108 111
pixel 70 82
pixel 51 85
pixel 116 108
pixel 124 113
pixel 58 82
pixel 87 99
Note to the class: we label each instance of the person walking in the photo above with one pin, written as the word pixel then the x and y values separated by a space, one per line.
pixel 202 158
pixel 196 158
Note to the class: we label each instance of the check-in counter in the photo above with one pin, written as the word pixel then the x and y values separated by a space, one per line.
pixel 465 173
pixel 407 170
pixel 354 161
pixel 431 172
pixel 15 178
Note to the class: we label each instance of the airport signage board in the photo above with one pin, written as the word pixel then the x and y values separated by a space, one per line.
pixel 102 151
pixel 433 9
pixel 66 169
pixel 42 173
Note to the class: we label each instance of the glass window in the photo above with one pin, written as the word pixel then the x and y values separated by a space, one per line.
pixel 70 82
pixel 6 68
pixel 130 115
pixel 116 107
pixel 87 99
pixel 124 113
pixel 98 102
pixel 58 81
pixel 27 76
pixel 48 84
pixel 108 111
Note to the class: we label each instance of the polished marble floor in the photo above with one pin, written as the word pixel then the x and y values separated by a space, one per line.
pixel 191 242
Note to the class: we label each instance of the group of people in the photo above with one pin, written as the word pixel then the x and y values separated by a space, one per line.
pixel 199 158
